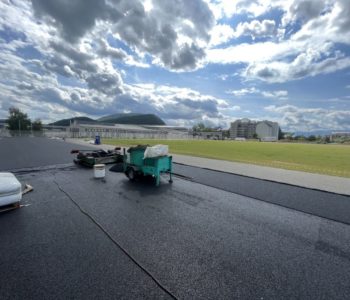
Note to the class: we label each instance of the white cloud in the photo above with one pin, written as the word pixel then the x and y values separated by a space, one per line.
pixel 304 65
pixel 244 92
pixel 279 94
pixel 305 10
pixel 229 8
pixel 310 51
pixel 81 53
pixel 256 29
pixel 103 92
pixel 248 53
pixel 220 34
pixel 294 118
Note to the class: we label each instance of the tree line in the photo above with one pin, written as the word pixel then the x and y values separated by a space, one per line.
pixel 17 120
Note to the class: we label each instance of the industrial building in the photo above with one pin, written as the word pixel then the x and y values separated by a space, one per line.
pixel 126 131
pixel 340 136
pixel 248 129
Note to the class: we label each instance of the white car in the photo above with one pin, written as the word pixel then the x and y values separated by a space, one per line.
pixel 10 189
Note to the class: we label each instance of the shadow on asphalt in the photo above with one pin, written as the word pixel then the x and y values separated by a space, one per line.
pixel 145 186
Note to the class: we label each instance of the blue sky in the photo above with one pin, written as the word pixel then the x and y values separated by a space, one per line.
pixel 192 61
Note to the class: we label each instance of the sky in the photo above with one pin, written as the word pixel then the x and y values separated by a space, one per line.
pixel 211 61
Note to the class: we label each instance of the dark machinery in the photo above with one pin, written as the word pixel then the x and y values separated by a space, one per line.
pixel 90 158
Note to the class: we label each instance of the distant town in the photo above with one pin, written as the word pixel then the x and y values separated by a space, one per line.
pixel 149 126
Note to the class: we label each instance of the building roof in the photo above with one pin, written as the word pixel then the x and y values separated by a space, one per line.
pixel 116 126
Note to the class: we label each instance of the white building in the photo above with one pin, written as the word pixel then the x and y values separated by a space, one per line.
pixel 267 131
pixel 248 129
pixel 243 128
pixel 340 136
pixel 126 131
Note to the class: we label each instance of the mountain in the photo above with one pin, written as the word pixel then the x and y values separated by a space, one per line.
pixel 66 122
pixel 315 132
pixel 136 119
pixel 115 116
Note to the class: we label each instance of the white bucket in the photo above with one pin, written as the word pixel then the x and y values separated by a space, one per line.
pixel 99 171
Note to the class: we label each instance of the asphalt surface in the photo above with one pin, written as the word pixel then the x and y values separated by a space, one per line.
pixel 324 204
pixel 30 152
pixel 196 241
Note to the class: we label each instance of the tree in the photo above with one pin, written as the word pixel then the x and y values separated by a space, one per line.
pixel 226 133
pixel 199 127
pixel 37 125
pixel 311 138
pixel 18 120
pixel 280 134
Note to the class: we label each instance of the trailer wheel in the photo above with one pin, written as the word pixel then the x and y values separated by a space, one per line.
pixel 131 174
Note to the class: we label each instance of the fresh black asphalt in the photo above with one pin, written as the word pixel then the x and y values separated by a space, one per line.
pixel 39 152
pixel 197 241
pixel 50 250
pixel 324 204
pixel 30 152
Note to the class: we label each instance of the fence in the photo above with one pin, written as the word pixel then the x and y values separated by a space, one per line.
pixel 120 134
pixel 28 133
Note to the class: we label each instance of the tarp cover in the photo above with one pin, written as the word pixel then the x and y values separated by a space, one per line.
pixel 155 151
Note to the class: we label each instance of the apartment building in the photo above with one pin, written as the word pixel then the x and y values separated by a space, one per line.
pixel 245 128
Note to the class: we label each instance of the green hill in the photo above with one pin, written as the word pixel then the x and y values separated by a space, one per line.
pixel 115 116
pixel 66 122
pixel 136 119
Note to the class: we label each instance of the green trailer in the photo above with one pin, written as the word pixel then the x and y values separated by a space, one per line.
pixel 135 165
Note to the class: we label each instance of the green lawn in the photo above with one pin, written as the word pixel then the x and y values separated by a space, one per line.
pixel 315 158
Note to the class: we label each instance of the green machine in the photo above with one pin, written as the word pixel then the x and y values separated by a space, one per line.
pixel 135 165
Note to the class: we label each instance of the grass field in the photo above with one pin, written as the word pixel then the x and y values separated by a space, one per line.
pixel 315 158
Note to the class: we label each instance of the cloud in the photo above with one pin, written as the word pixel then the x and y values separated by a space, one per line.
pixel 64 54
pixel 105 83
pixel 102 93
pixel 256 29
pixel 248 53
pixel 304 65
pixel 183 104
pixel 279 94
pixel 76 73
pixel 61 58
pixel 221 33
pixel 294 118
pixel 244 92
pixel 228 8
pixel 171 32
pixel 314 31
pixel 74 18
pixel 305 10
pixel 235 108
